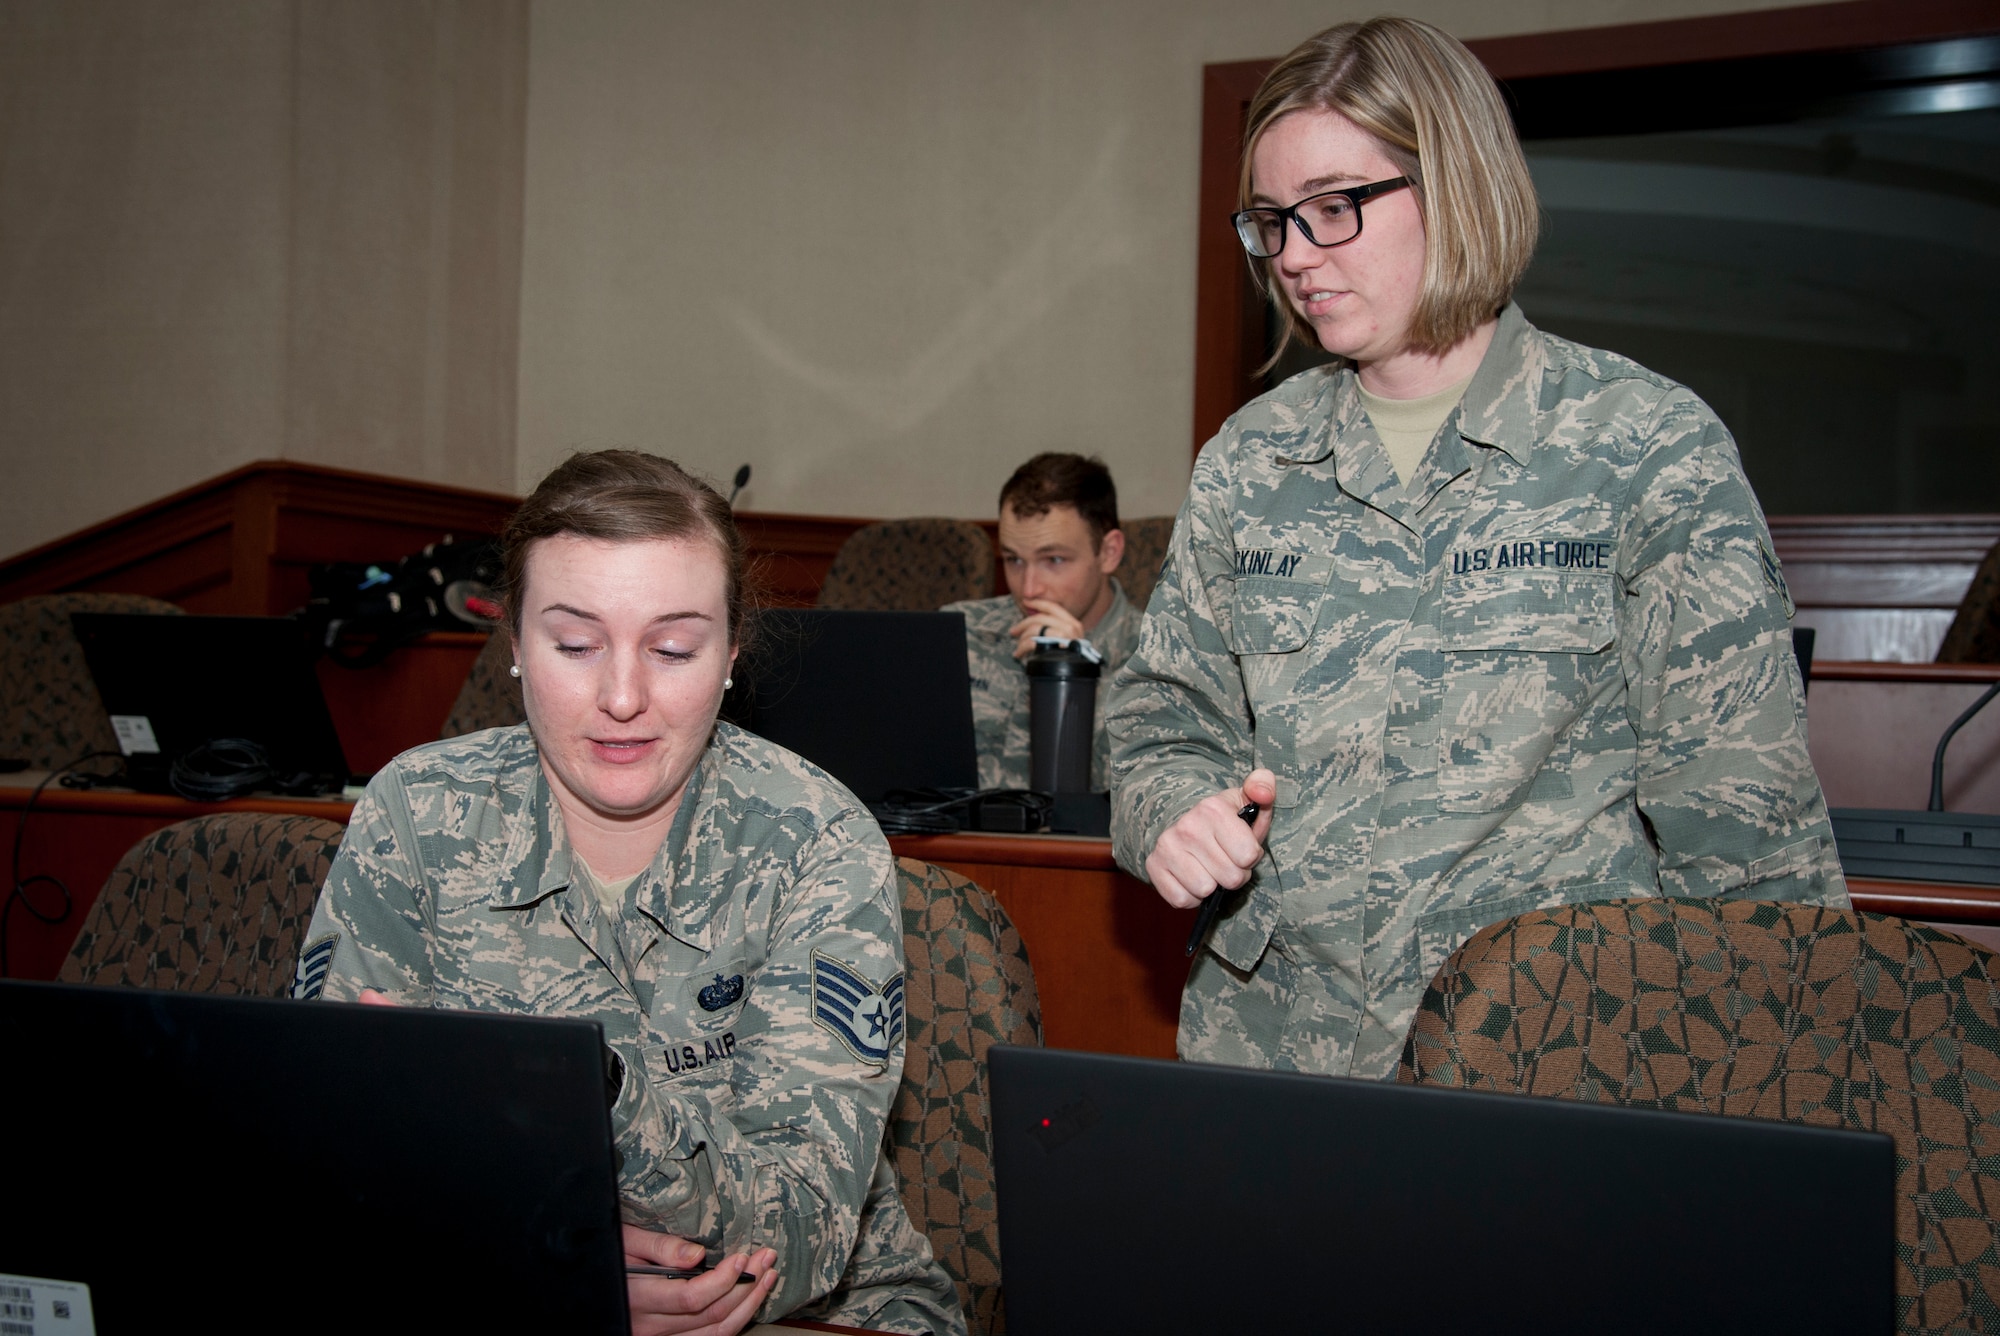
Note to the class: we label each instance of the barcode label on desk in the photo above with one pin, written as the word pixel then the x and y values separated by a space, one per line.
pixel 38 1306
pixel 135 734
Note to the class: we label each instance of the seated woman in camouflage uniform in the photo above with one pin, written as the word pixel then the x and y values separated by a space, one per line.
pixel 1478 619
pixel 724 909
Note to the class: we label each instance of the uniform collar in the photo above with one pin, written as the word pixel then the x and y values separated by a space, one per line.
pixel 1503 403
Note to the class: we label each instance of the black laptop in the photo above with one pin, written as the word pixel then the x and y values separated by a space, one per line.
pixel 187 1162
pixel 882 701
pixel 171 684
pixel 1162 1198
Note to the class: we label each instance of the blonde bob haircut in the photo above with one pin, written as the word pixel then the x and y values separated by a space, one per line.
pixel 1438 116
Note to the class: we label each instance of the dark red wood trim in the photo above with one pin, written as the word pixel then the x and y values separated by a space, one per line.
pixel 1228 314
pixel 1930 901
pixel 1066 851
pixel 1973 674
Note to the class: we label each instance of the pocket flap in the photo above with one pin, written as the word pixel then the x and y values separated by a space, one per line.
pixel 1273 614
pixel 1545 612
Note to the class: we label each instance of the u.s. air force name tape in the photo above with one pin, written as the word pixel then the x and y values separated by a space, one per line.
pixel 866 1019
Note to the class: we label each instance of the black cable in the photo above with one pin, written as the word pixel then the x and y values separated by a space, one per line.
pixel 220 769
pixel 929 811
pixel 18 885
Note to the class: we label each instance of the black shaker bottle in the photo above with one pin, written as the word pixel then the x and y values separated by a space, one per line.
pixel 1062 708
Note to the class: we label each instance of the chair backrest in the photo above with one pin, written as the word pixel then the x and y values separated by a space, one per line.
pixel 968 987
pixel 491 696
pixel 213 905
pixel 909 566
pixel 50 713
pixel 1145 552
pixel 1768 1010
pixel 1974 634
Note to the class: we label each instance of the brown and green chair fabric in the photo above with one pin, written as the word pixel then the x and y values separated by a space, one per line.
pixel 1974 634
pixel 968 987
pixel 50 713
pixel 491 696
pixel 909 566
pixel 219 904
pixel 1145 552
pixel 1766 1010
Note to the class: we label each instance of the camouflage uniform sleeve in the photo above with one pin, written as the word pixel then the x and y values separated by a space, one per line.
pixel 374 916
pixel 789 1166
pixel 1716 699
pixel 1178 719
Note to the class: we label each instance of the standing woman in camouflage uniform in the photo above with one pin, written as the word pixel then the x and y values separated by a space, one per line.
pixel 1480 620
pixel 725 910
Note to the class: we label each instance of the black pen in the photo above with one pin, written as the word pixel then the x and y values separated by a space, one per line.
pixel 682 1273
pixel 1213 905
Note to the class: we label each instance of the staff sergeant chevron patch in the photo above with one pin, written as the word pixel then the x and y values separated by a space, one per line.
pixel 846 1004
pixel 314 962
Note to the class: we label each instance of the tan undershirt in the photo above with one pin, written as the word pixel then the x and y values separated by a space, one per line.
pixel 1407 426
pixel 610 894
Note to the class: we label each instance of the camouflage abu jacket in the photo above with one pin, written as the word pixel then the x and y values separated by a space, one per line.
pixel 1476 691
pixel 1001 723
pixel 753 988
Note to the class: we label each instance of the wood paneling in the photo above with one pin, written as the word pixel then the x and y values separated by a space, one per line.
pixel 1872 728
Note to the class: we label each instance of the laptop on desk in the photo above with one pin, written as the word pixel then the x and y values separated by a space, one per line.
pixel 181 1161
pixel 882 701
pixel 171 684
pixel 1163 1198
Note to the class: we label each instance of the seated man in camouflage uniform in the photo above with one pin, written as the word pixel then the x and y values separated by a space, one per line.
pixel 1059 545
pixel 726 911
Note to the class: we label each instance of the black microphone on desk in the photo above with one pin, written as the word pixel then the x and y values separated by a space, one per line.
pixel 1931 845
pixel 1937 760
pixel 742 476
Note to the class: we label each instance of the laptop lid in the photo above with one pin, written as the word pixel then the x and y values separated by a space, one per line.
pixel 231 1164
pixel 173 683
pixel 879 700
pixel 1162 1198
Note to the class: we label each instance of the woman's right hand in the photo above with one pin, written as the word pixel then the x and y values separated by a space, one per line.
pixel 1212 846
pixel 709 1305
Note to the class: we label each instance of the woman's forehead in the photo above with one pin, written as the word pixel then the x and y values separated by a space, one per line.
pixel 1307 151
pixel 665 570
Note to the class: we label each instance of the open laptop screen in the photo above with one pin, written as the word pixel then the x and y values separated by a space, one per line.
pixel 230 1164
pixel 1164 1198
pixel 879 700
pixel 173 683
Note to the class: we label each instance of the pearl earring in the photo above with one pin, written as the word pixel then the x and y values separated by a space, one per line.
pixel 728 682
pixel 514 670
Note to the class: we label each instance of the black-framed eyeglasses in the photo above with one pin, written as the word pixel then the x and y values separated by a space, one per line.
pixel 1331 219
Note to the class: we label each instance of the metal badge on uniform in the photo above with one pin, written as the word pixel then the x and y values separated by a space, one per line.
pixel 1774 575
pixel 722 993
pixel 309 980
pixel 37 1306
pixel 847 1004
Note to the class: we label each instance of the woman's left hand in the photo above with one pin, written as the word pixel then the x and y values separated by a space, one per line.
pixel 712 1304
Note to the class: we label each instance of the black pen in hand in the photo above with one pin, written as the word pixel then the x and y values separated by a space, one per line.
pixel 681 1272
pixel 1212 906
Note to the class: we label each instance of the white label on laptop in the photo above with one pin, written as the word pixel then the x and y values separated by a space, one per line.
pixel 34 1306
pixel 135 734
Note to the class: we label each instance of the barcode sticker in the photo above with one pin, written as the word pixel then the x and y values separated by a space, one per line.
pixel 135 734
pixel 38 1306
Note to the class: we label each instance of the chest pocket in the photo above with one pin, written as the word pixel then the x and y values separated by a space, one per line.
pixel 1524 652
pixel 1272 614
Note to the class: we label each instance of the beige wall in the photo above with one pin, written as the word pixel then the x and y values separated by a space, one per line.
pixel 883 252
pixel 252 229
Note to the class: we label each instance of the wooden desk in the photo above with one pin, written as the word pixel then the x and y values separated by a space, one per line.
pixel 1107 952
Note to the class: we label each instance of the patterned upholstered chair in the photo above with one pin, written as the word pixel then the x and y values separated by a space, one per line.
pixel 1145 552
pixel 491 696
pixel 1974 635
pixel 1768 1010
pixel 968 987
pixel 50 713
pixel 218 904
pixel 909 566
